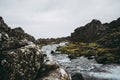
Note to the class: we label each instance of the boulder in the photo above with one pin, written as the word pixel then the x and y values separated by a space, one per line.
pixel 52 52
pixel 52 71
pixel 71 56
pixel 77 76
pixel 21 63
pixel 57 74
pixel 21 59
pixel 51 64
pixel 55 52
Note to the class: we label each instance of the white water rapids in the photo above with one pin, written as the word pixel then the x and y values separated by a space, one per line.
pixel 90 69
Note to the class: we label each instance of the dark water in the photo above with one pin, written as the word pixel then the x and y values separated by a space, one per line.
pixel 90 69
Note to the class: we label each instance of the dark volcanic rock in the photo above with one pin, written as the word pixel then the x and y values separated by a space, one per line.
pixel 20 34
pixel 115 23
pixel 21 59
pixel 3 26
pixel 77 76
pixel 52 52
pixel 22 63
pixel 89 32
pixel 71 56
pixel 107 35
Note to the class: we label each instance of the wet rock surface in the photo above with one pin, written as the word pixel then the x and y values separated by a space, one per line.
pixel 21 59
pixel 80 67
pixel 77 76
pixel 51 70
pixel 71 56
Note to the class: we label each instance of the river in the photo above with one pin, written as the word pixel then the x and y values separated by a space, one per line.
pixel 90 69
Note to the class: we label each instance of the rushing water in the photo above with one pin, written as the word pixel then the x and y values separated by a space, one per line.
pixel 90 69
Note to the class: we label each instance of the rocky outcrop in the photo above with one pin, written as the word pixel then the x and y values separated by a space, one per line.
pixel 115 23
pixel 110 40
pixel 89 32
pixel 106 35
pixel 21 59
pixel 52 71
pixel 20 34
pixel 21 63
pixel 77 76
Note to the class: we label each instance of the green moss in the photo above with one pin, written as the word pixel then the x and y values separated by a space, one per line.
pixel 78 48
pixel 103 55
pixel 93 44
pixel 110 57
pixel 106 58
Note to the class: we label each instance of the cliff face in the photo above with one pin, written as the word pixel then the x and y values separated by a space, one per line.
pixel 111 38
pixel 21 59
pixel 88 33
pixel 94 31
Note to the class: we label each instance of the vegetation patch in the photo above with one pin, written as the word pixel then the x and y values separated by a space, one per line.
pixel 101 54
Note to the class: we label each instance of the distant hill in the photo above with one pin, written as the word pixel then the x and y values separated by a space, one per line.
pixel 46 41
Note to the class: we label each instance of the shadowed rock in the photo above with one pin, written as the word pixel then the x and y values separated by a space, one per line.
pixel 52 71
pixel 77 76
pixel 21 59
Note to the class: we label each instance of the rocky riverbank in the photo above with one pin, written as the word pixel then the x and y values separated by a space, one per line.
pixel 21 59
pixel 82 67
pixel 96 40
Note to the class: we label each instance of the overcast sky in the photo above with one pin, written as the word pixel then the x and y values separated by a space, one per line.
pixel 56 18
